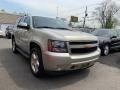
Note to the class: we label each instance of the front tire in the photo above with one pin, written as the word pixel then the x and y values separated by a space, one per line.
pixel 36 63
pixel 105 50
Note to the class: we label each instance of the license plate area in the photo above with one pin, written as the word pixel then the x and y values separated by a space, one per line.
pixel 85 65
pixel 80 66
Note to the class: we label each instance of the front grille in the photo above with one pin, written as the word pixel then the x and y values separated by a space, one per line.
pixel 83 47
pixel 83 50
pixel 83 42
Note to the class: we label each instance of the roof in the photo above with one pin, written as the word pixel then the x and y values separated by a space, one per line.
pixel 6 18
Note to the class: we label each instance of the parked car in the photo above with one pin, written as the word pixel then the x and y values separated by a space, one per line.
pixel 52 46
pixel 1 33
pixel 108 39
pixel 9 31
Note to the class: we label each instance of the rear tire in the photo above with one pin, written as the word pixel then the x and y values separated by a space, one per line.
pixel 14 46
pixel 9 36
pixel 36 63
pixel 6 36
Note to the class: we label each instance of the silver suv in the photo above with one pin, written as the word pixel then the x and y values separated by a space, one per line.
pixel 52 46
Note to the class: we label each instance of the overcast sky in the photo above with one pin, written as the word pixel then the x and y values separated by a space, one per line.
pixel 49 7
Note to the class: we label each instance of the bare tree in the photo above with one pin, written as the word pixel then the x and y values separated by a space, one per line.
pixel 105 13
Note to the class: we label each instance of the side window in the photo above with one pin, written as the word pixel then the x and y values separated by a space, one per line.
pixel 27 20
pixel 20 20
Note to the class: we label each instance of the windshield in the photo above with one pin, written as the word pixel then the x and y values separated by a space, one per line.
pixel 104 33
pixel 43 22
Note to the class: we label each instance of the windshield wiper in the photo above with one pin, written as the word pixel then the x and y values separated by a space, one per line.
pixel 52 27
pixel 45 27
pixel 63 28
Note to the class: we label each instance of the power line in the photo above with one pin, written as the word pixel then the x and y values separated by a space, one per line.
pixel 83 12
pixel 79 13
pixel 79 8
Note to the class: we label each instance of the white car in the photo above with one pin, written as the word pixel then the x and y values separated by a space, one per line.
pixel 1 33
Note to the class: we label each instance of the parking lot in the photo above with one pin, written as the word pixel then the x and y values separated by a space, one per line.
pixel 16 75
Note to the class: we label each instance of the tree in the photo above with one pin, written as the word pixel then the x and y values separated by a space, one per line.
pixel 105 13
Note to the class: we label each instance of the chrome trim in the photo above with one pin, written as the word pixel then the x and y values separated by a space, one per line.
pixel 84 46
pixel 78 46
pixel 76 63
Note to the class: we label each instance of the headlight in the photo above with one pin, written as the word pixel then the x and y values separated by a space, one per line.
pixel 57 46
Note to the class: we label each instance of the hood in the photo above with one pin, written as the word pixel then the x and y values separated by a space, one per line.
pixel 70 34
pixel 103 38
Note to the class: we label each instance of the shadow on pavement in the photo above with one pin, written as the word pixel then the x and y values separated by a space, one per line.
pixel 18 69
pixel 113 59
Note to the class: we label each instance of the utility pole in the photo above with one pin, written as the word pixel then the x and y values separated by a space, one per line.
pixel 57 12
pixel 103 19
pixel 86 14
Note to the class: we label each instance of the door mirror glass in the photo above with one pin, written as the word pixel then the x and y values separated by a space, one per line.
pixel 23 25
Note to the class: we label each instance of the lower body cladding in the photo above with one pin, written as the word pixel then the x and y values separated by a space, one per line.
pixel 65 61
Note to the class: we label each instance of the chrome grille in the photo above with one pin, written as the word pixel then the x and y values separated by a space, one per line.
pixel 83 47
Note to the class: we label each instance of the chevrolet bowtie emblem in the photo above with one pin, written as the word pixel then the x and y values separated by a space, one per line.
pixel 88 46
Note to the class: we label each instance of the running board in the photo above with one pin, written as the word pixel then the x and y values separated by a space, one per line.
pixel 23 53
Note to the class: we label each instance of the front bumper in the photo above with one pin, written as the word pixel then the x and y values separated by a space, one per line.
pixel 65 61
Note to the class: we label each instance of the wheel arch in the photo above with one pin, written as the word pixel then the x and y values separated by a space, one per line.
pixel 34 44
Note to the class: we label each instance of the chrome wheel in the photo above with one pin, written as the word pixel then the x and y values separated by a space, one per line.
pixel 106 50
pixel 35 63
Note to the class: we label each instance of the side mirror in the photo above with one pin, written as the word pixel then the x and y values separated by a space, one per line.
pixel 23 25
pixel 113 37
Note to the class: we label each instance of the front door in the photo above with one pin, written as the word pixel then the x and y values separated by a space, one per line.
pixel 25 36
pixel 18 32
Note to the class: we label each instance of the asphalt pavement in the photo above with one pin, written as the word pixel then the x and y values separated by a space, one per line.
pixel 15 74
